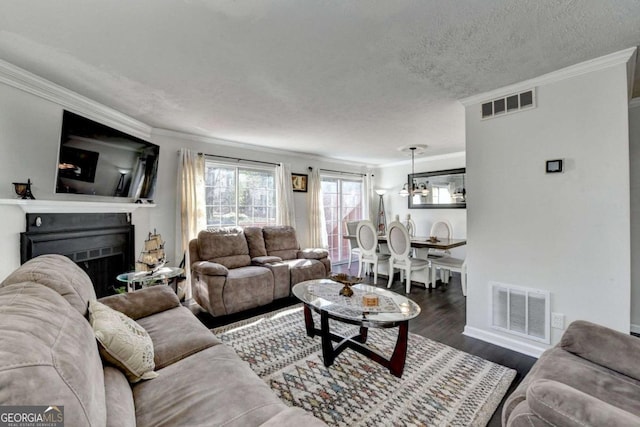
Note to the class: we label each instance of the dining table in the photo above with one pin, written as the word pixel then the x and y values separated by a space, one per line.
pixel 417 242
pixel 442 243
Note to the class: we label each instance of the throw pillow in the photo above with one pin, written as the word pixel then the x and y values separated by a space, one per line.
pixel 123 342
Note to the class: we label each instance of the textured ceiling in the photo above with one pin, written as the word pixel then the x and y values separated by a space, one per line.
pixel 352 80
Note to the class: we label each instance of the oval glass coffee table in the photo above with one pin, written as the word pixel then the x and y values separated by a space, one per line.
pixel 322 296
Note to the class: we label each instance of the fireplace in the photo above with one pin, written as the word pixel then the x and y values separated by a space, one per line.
pixel 102 244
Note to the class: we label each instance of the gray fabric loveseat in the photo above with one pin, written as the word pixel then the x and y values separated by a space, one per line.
pixel 49 356
pixel 591 378
pixel 235 269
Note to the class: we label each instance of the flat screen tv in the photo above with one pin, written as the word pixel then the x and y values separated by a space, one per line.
pixel 98 160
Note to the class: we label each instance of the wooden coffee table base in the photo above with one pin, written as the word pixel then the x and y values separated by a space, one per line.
pixel 356 342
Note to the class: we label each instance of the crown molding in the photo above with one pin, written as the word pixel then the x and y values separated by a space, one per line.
pixel 167 133
pixel 634 103
pixel 616 58
pixel 18 78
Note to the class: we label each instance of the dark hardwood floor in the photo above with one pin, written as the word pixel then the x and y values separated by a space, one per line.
pixel 442 319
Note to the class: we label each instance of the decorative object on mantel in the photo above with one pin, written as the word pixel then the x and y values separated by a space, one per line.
pixel 406 191
pixel 152 257
pixel 23 189
pixel 347 281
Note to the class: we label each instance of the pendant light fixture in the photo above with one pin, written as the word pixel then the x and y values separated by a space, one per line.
pixel 406 191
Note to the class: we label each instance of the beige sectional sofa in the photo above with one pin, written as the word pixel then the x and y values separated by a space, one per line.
pixel 591 378
pixel 49 356
pixel 235 269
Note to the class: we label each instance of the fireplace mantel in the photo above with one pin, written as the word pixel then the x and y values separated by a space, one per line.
pixel 70 206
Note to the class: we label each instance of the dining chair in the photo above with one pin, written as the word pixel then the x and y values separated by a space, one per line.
pixel 368 243
pixel 450 264
pixel 354 249
pixel 444 230
pixel 399 245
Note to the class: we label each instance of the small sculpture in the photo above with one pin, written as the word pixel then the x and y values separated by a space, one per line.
pixel 23 189
pixel 347 281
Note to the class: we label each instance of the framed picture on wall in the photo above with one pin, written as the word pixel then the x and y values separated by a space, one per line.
pixel 299 182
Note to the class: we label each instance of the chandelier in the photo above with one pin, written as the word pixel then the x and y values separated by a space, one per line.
pixel 406 192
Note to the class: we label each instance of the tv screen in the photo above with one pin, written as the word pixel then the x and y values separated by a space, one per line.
pixel 98 160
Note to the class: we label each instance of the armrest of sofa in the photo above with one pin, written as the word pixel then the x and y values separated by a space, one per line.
pixel 313 253
pixel 262 260
pixel 209 268
pixel 603 346
pixel 560 404
pixel 144 302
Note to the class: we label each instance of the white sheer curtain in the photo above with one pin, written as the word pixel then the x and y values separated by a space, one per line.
pixel 191 205
pixel 286 214
pixel 317 227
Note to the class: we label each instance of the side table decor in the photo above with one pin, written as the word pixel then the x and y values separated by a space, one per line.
pixel 347 281
pixel 152 258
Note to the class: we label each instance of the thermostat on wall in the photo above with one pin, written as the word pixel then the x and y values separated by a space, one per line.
pixel 554 166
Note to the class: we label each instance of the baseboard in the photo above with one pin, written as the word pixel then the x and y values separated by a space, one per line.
pixel 635 329
pixel 502 341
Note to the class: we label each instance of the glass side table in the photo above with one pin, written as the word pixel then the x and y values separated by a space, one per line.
pixel 142 279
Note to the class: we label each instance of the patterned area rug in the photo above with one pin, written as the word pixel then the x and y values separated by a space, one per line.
pixel 440 386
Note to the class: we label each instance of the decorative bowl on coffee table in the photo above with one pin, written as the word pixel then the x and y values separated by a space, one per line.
pixel 347 281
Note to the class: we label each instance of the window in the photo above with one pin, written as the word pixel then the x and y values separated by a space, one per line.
pixel 441 195
pixel 239 195
pixel 343 201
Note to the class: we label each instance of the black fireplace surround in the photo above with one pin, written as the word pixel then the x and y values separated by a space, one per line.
pixel 102 244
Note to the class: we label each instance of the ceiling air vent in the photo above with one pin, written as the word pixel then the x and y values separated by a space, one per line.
pixel 509 104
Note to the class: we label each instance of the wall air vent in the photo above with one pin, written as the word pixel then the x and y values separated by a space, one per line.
pixel 509 104
pixel 521 311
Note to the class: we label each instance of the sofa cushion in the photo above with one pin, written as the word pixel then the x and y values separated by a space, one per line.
pixel 559 404
pixel 212 387
pixel 226 246
pixel 176 334
pixel 48 355
pixel 121 411
pixel 603 346
pixel 123 342
pixel 281 241
pixel 60 274
pixel 255 240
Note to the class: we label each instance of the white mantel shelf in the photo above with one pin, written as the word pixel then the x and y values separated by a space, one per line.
pixel 67 206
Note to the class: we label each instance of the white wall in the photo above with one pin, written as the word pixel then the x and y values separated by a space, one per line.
pixel 634 162
pixel 391 178
pixel 566 233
